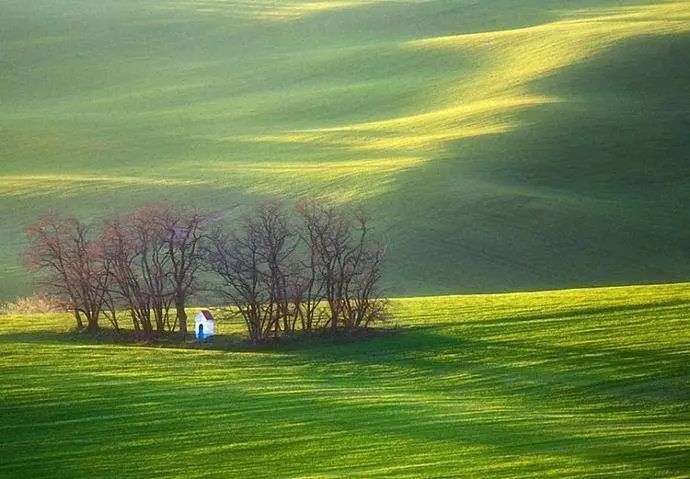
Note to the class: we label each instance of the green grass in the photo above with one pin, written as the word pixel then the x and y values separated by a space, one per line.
pixel 578 383
pixel 501 145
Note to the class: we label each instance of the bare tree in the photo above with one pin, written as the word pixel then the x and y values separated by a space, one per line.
pixel 135 246
pixel 362 303
pixel 306 292
pixel 235 259
pixel 184 233
pixel 328 232
pixel 156 255
pixel 269 227
pixel 147 227
pixel 118 246
pixel 347 261
pixel 71 265
pixel 256 266
pixel 310 285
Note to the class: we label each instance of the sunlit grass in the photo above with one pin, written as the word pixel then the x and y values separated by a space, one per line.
pixel 432 113
pixel 38 185
pixel 271 11
pixel 581 383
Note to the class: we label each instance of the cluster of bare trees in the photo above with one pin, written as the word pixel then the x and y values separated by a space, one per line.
pixel 319 271
pixel 316 268
pixel 144 263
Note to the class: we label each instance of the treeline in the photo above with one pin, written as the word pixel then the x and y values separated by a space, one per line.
pixel 312 268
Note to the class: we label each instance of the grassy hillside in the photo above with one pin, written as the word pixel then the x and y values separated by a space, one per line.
pixel 502 145
pixel 580 383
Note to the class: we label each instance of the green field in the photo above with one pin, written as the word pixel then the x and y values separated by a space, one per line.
pixel 578 383
pixel 501 145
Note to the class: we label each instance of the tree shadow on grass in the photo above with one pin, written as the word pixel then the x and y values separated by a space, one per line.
pixel 522 399
pixel 228 342
pixel 607 405
pixel 412 336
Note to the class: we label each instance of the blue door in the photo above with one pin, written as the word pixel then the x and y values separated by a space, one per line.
pixel 200 333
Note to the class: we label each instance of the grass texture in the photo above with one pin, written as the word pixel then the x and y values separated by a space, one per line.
pixel 500 145
pixel 564 384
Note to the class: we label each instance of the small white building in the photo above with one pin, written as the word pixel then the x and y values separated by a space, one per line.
pixel 204 324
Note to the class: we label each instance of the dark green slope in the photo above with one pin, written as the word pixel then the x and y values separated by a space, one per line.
pixel 591 190
pixel 508 145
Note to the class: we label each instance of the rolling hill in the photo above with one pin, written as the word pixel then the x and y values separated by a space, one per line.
pixel 564 384
pixel 503 145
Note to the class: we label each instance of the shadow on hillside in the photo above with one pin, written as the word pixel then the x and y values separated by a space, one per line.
pixel 228 342
pixel 300 342
pixel 586 191
pixel 521 398
pixel 433 18
pixel 571 385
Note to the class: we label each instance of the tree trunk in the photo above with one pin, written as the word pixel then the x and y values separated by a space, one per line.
pixel 158 316
pixel 135 321
pixel 334 315
pixel 92 322
pixel 181 318
pixel 77 317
